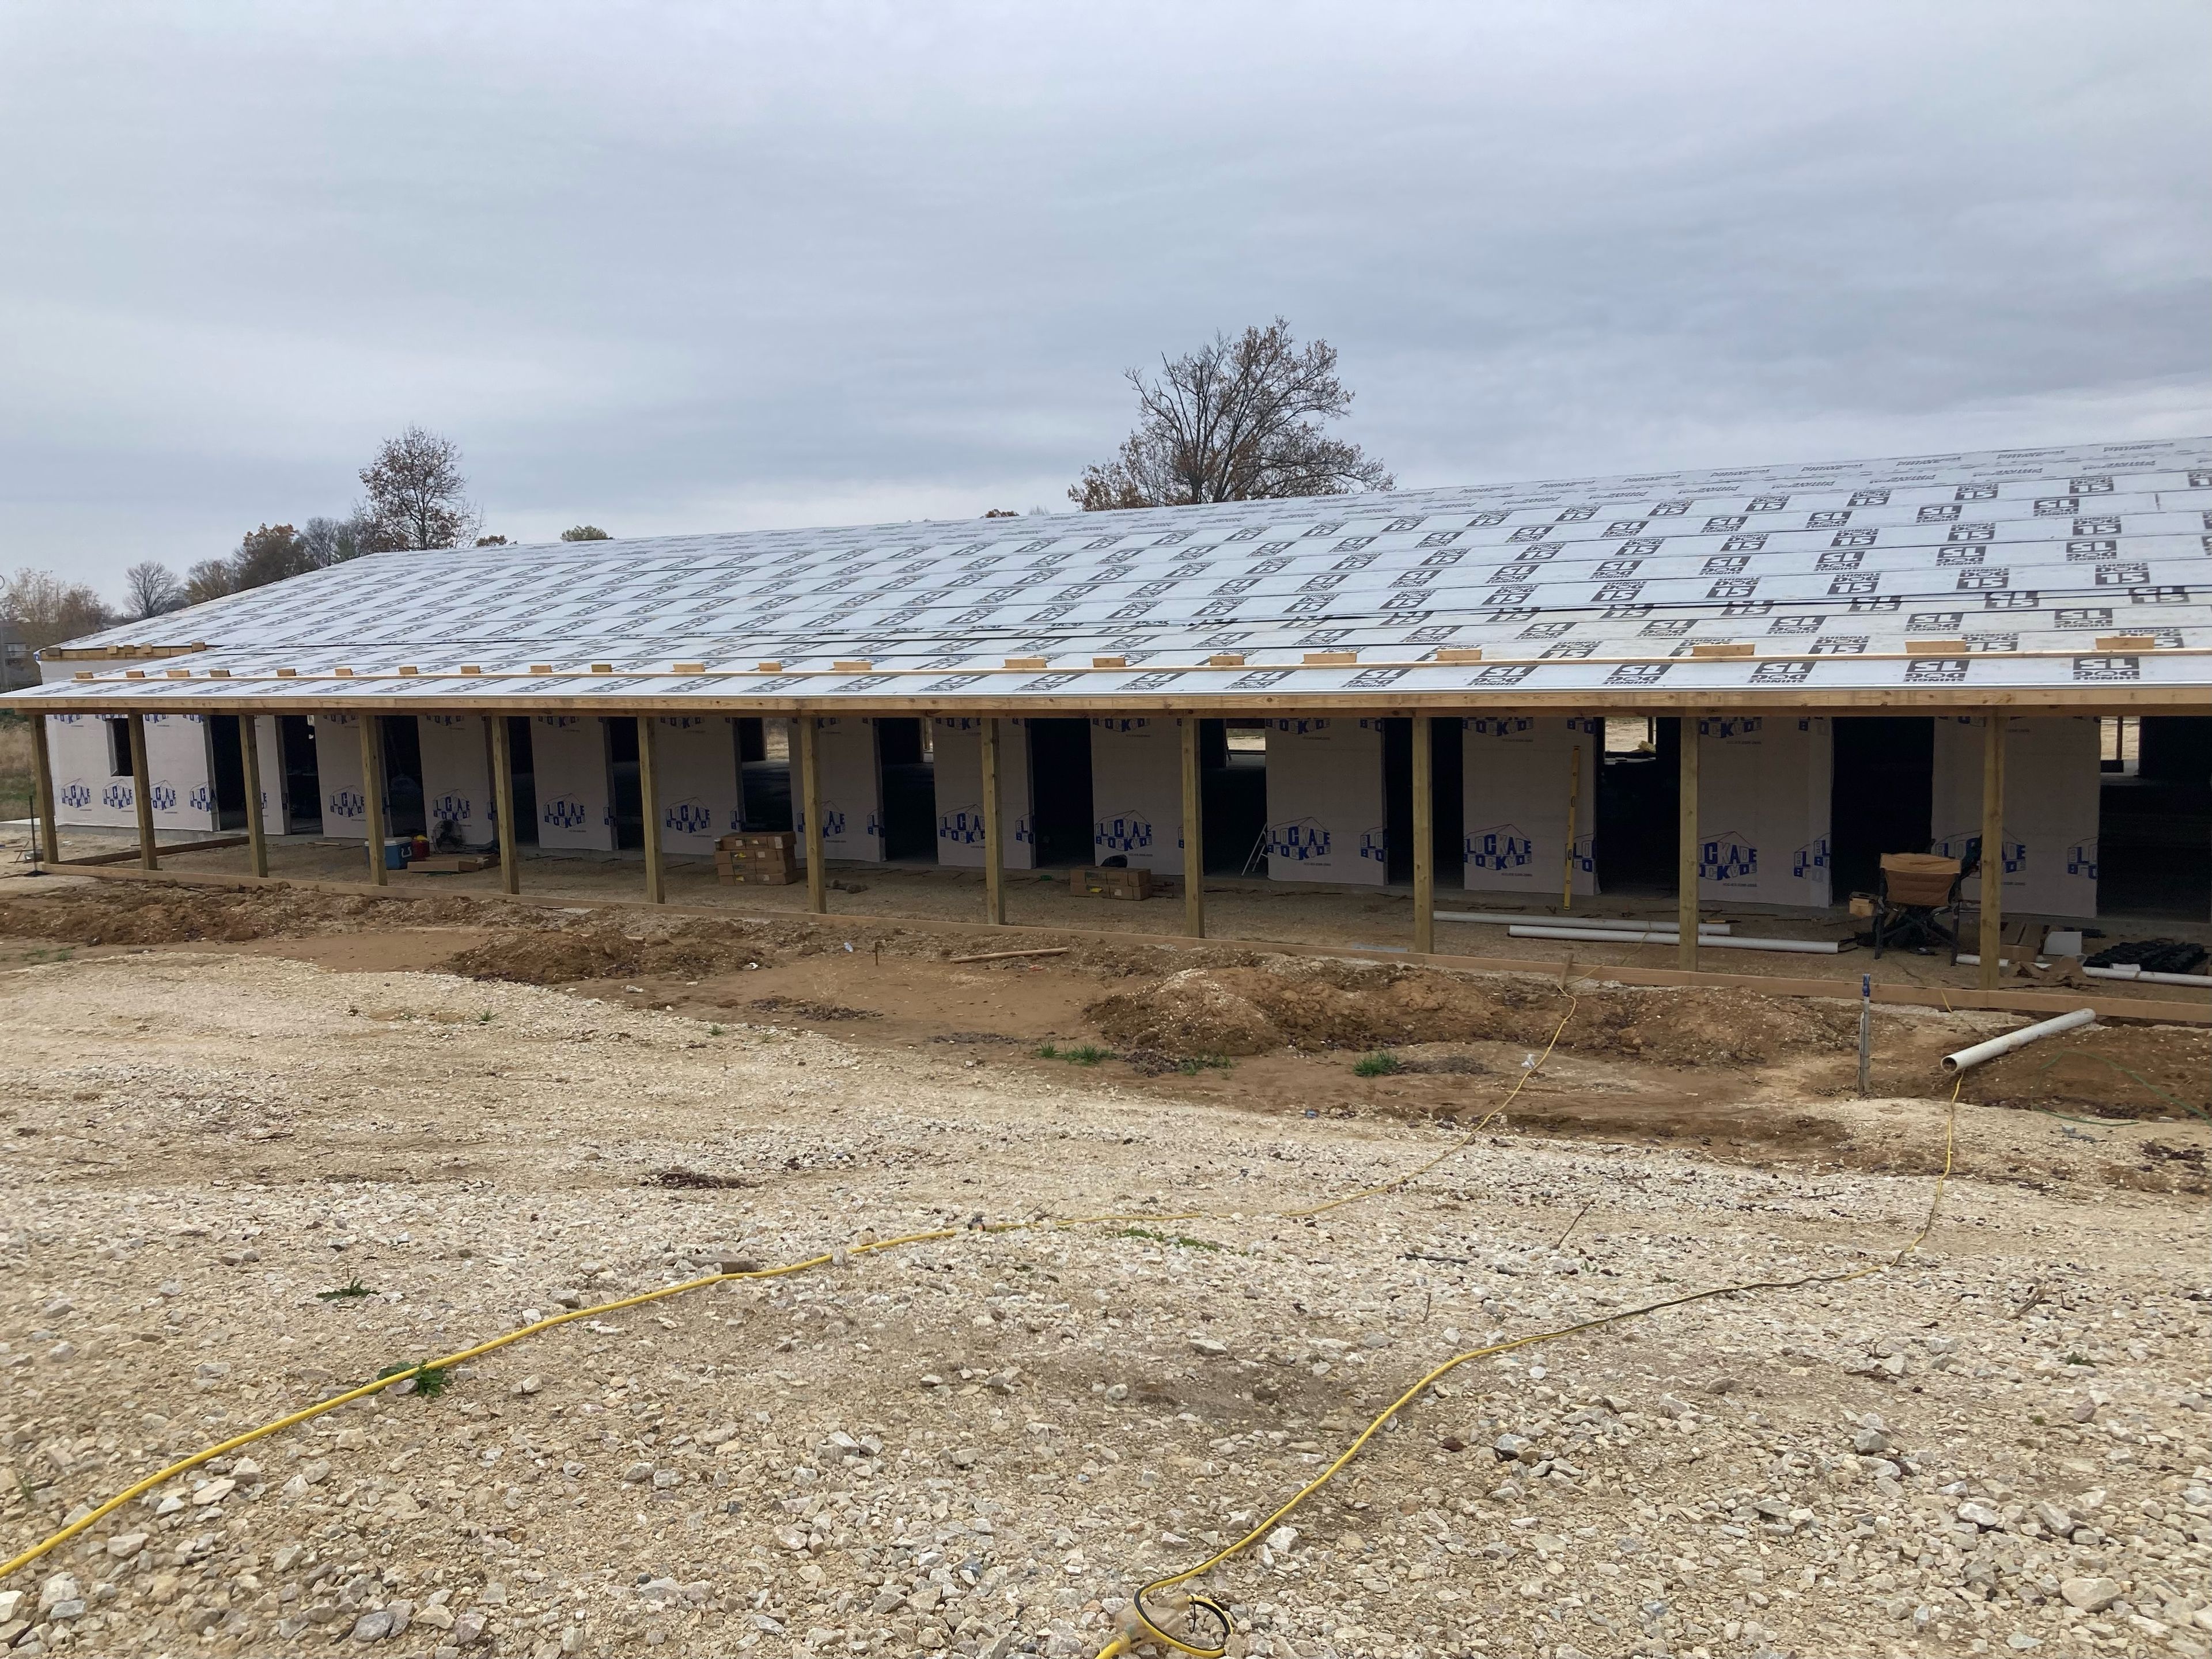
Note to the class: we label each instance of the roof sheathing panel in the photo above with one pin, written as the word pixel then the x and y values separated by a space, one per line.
pixel 1939 579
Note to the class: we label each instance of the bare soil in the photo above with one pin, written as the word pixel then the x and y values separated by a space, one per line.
pixel 982 1446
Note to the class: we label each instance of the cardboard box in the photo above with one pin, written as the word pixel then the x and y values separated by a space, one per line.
pixel 757 875
pixel 757 841
pixel 1092 882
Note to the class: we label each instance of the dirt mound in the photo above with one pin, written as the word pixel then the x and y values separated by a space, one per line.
pixel 590 951
pixel 1249 1011
pixel 151 913
pixel 2108 1071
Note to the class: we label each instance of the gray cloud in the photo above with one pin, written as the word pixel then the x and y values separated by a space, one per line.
pixel 694 267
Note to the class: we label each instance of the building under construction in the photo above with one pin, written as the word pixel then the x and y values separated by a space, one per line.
pixel 1747 686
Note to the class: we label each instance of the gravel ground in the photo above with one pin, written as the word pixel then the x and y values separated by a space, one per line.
pixel 981 1446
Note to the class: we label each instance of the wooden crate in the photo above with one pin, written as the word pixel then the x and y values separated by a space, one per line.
pixel 1093 883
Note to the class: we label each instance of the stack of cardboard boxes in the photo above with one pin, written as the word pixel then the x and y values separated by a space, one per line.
pixel 1114 884
pixel 766 858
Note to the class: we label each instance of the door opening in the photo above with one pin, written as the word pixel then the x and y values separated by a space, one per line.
pixel 226 772
pixel 522 763
pixel 402 775
pixel 622 786
pixel 909 789
pixel 1882 800
pixel 303 780
pixel 1059 791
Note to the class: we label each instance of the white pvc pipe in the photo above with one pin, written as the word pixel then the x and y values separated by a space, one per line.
pixel 1811 947
pixel 1580 924
pixel 2012 1040
pixel 2130 972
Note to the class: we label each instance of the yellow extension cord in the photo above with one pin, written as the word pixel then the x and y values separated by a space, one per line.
pixel 1138 1626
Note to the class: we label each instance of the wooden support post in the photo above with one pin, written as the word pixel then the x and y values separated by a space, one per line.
pixel 1685 859
pixel 648 790
pixel 141 787
pixel 994 856
pixel 502 796
pixel 249 753
pixel 372 793
pixel 1425 838
pixel 1993 779
pixel 810 766
pixel 49 847
pixel 1194 834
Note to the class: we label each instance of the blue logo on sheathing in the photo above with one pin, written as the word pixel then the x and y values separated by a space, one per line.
pixel 1298 840
pixel 689 818
pixel 347 804
pixel 1731 725
pixel 1505 725
pixel 2081 859
pixel 564 812
pixel 1954 846
pixel 201 799
pixel 1727 857
pixel 833 823
pixel 962 827
pixel 1119 723
pixel 75 793
pixel 1375 844
pixel 118 796
pixel 164 797
pixel 455 809
pixel 1501 847
pixel 1813 855
pixel 1585 854
pixel 1124 832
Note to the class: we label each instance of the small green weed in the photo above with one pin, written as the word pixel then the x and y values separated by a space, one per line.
pixel 714 1030
pixel 1182 1240
pixel 1381 1063
pixel 2077 1360
pixel 1089 1054
pixel 485 1018
pixel 429 1380
pixel 1197 1063
pixel 353 1287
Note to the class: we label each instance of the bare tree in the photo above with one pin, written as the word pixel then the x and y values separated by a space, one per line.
pixel 50 611
pixel 416 495
pixel 333 541
pixel 150 588
pixel 585 532
pixel 210 579
pixel 1237 420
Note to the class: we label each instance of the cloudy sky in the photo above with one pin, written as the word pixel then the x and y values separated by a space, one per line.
pixel 715 266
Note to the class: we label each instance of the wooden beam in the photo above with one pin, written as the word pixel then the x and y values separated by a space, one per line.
pixel 1686 855
pixel 49 847
pixel 502 796
pixel 995 855
pixel 142 785
pixel 810 765
pixel 648 790
pixel 1193 833
pixel 249 753
pixel 1993 782
pixel 372 791
pixel 1425 838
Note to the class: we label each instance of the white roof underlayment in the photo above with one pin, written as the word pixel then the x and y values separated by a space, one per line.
pixel 1925 578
